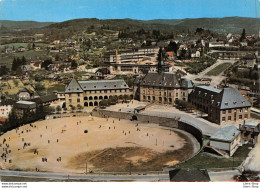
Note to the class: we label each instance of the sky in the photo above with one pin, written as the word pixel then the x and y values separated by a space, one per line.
pixel 61 10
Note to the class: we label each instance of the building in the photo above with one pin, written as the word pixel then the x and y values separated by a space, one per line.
pixel 222 106
pixel 21 106
pixel 227 139
pixel 250 131
pixel 6 107
pixel 132 61
pixel 25 94
pixel 90 93
pixel 254 93
pixel 46 100
pixel 162 87
pixel 189 175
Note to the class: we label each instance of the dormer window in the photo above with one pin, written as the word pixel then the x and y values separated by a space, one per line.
pixel 105 86
pixel 226 103
pixel 95 86
pixel 218 103
pixel 243 102
pixel 205 94
pixel 234 103
pixel 77 88
pixel 114 85
pixel 212 101
pixel 211 96
pixel 199 92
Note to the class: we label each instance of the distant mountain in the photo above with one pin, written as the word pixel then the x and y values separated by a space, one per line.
pixel 22 25
pixel 221 25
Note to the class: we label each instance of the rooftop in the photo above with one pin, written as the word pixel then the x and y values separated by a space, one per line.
pixel 226 133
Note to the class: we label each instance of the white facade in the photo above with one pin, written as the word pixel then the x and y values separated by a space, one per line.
pixel 5 110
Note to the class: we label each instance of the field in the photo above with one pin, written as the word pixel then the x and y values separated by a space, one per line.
pixel 219 69
pixel 98 143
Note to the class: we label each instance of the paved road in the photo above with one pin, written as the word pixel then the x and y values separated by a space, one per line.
pixel 223 175
pixel 90 177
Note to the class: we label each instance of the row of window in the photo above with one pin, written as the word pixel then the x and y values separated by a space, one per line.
pixel 229 117
pixel 229 111
pixel 105 91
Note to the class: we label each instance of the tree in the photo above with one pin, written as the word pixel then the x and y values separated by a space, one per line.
pixel 79 107
pixel 58 109
pixel 46 63
pixel 74 64
pixel 3 70
pixel 243 35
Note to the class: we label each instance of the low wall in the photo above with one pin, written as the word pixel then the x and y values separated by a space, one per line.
pixel 162 121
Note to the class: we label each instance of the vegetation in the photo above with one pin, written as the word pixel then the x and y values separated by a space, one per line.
pixel 207 161
pixel 14 121
pixel 185 105
pixel 219 69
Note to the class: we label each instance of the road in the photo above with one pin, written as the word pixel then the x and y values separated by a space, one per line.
pixel 89 177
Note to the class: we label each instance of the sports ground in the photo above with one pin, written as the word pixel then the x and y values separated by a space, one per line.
pixel 93 144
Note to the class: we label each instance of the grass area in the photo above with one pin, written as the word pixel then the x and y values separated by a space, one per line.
pixel 219 69
pixel 8 60
pixel 207 161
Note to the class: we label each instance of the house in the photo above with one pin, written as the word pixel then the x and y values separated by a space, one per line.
pixel 21 106
pixel 249 60
pixel 25 94
pixel 6 107
pixel 21 49
pixel 37 48
pixel 90 93
pixel 250 131
pixel 222 106
pixel 227 139
pixel 161 87
pixel 24 71
pixel 189 175
pixel 45 100
pixel 254 93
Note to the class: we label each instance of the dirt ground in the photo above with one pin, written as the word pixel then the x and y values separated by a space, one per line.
pixel 72 144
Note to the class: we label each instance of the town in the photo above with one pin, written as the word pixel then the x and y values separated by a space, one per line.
pixel 199 84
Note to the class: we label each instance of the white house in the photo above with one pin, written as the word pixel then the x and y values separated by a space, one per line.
pixel 6 107
pixel 227 138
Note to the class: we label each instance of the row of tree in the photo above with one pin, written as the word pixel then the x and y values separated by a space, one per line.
pixel 29 116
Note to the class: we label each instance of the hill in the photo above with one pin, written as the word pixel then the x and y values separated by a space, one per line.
pixel 221 25
pixel 22 25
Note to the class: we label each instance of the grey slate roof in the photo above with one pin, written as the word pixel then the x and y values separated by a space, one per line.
pixel 189 175
pixel 44 99
pixel 249 125
pixel 228 98
pixel 227 133
pixel 26 90
pixel 231 98
pixel 103 85
pixel 78 87
pixel 164 79
pixel 7 102
pixel 73 87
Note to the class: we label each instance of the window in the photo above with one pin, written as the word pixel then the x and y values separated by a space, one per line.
pixel 229 117
pixel 240 116
pixel 229 111
pixel 153 98
pixel 224 112
pixel 69 95
pixel 176 94
pixel 246 115
pixel 78 94
pixel 70 100
pixel 223 119
pixel 105 91
pixel 78 100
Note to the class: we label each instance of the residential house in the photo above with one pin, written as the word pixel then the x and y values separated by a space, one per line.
pixel 250 131
pixel 6 107
pixel 227 139
pixel 21 49
pixel 25 94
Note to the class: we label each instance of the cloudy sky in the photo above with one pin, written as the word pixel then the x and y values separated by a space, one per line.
pixel 61 10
